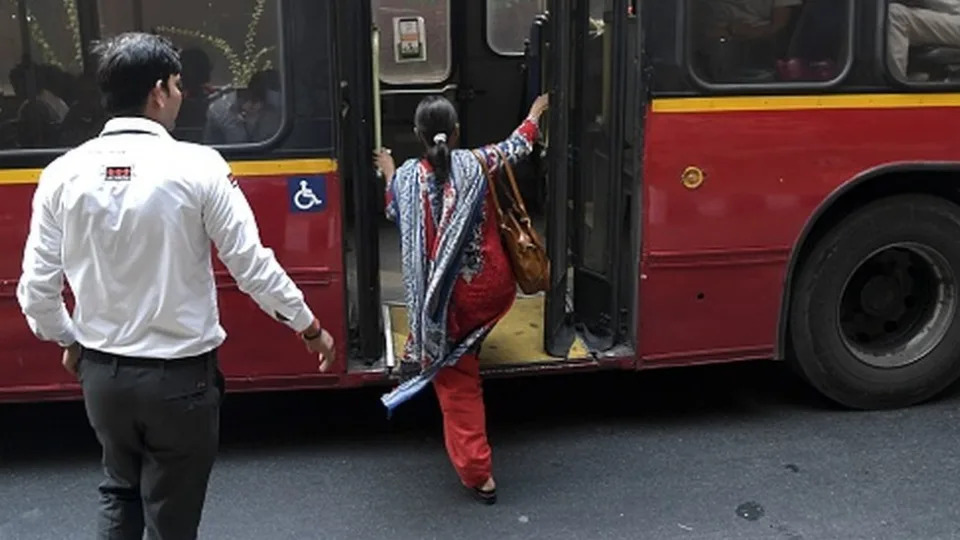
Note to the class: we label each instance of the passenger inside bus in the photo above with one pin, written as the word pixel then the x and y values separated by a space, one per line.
pixel 43 92
pixel 86 114
pixel 763 41
pixel 48 99
pixel 923 39
pixel 816 45
pixel 52 87
pixel 197 94
pixel 246 115
pixel 740 40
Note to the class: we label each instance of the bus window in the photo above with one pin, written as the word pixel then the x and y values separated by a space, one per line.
pixel 37 86
pixel 231 65
pixel 414 41
pixel 744 42
pixel 598 63
pixel 923 41
pixel 230 55
pixel 508 24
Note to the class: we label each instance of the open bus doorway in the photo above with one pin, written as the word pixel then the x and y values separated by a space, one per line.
pixel 491 72
pixel 483 70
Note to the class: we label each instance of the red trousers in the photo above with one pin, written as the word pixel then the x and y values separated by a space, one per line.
pixel 464 420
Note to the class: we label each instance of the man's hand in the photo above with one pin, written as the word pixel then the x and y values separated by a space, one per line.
pixel 323 346
pixel 71 355
pixel 319 341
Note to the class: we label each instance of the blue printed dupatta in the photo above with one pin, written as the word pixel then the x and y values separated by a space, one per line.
pixel 430 271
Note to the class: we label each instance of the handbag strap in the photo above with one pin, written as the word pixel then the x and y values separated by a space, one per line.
pixel 490 183
pixel 517 198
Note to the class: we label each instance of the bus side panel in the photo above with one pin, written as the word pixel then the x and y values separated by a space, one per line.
pixel 26 363
pixel 308 244
pixel 714 256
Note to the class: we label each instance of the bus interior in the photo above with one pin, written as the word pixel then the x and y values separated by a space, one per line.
pixel 491 59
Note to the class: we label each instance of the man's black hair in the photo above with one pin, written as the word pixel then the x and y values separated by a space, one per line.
pixel 129 67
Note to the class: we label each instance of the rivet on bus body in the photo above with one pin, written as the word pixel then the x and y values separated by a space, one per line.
pixel 692 178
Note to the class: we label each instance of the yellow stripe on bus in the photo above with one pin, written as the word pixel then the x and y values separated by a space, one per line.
pixel 793 103
pixel 281 167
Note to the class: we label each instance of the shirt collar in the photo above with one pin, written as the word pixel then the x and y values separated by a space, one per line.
pixel 134 123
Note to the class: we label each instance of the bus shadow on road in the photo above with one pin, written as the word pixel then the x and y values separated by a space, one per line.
pixel 518 410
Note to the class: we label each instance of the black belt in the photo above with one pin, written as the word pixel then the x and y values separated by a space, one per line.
pixel 101 357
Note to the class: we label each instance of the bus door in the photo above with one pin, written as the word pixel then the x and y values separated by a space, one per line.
pixel 357 112
pixel 600 89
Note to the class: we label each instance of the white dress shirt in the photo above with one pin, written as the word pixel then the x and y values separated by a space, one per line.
pixel 128 218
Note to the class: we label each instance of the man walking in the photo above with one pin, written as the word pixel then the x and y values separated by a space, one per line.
pixel 128 218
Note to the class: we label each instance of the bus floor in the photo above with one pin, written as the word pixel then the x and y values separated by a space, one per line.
pixel 517 340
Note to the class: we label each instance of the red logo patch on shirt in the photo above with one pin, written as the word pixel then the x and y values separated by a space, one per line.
pixel 118 174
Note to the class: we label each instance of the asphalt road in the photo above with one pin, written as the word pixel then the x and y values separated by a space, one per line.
pixel 724 452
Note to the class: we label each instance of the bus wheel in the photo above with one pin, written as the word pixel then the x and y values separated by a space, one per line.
pixel 874 319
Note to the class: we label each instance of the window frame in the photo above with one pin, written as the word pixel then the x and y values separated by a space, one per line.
pixel 228 150
pixel 486 31
pixel 685 21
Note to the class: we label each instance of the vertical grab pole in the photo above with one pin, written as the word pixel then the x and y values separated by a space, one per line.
pixel 377 115
pixel 390 358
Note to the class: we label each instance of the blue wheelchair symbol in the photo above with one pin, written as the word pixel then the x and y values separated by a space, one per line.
pixel 307 193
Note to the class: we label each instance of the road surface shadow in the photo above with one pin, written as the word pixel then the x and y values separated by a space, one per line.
pixel 517 409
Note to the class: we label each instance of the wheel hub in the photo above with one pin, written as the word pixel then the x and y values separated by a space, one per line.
pixel 883 297
pixel 897 305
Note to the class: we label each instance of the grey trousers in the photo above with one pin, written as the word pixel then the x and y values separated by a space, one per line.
pixel 910 26
pixel 158 423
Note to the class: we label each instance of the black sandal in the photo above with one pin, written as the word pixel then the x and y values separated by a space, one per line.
pixel 485 497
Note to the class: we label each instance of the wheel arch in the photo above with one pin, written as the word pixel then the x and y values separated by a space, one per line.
pixel 935 178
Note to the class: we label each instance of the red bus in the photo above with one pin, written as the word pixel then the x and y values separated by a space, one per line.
pixel 719 180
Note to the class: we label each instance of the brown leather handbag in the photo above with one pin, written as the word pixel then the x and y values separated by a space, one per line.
pixel 523 245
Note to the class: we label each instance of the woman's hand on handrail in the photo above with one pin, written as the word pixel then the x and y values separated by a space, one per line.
pixel 384 161
pixel 541 104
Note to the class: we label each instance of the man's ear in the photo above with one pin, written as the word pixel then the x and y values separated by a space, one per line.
pixel 153 100
pixel 154 92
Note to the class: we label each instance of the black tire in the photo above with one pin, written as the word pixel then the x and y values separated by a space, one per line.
pixel 905 248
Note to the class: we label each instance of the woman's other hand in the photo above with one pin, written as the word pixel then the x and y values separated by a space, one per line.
pixel 541 104
pixel 384 161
